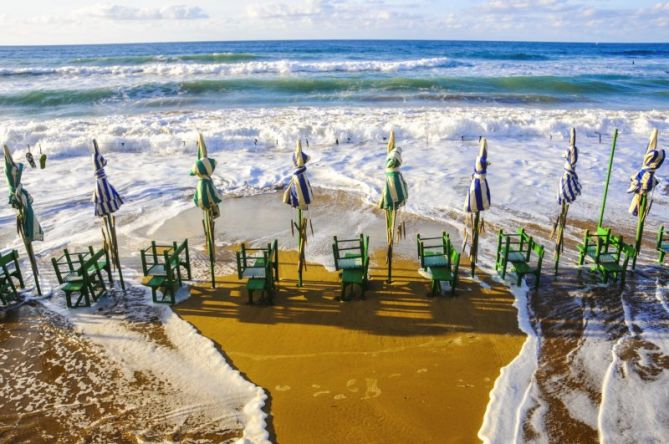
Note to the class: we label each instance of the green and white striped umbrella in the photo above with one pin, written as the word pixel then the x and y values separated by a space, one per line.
pixel 206 195
pixel 21 200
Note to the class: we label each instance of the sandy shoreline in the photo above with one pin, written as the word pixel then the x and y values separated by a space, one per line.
pixel 397 366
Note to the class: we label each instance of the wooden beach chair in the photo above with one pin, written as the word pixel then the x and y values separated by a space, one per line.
pixel 161 266
pixel 10 270
pixel 81 273
pixel 351 257
pixel 517 250
pixel 261 267
pixel 662 244
pixel 605 250
pixel 439 260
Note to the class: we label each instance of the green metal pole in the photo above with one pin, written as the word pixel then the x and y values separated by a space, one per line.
pixel 639 228
pixel 390 232
pixel 33 264
pixel 300 247
pixel 608 178
pixel 209 233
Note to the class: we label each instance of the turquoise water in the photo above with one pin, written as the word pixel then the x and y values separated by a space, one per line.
pixel 97 79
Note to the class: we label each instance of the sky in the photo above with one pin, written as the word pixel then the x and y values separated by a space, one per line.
pixel 36 22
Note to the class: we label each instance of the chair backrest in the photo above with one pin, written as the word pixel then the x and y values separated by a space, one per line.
pixel 9 257
pixel 539 250
pixel 455 261
pixel 358 247
pixel 443 247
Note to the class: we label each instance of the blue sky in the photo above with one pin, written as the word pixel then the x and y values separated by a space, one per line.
pixel 87 21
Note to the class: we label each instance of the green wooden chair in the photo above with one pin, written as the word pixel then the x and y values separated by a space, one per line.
pixel 516 249
pixel 10 270
pixel 351 257
pixel 440 260
pixel 81 274
pixel 162 265
pixel 605 250
pixel 662 244
pixel 261 267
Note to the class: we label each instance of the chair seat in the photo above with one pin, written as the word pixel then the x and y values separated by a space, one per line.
pixel 157 270
pixel 516 256
pixel 352 276
pixel 156 281
pixel 611 267
pixel 664 246
pixel 521 267
pixel 350 263
pixel 435 261
pixel 254 273
pixel 607 259
pixel 73 277
pixel 74 286
pixel 440 273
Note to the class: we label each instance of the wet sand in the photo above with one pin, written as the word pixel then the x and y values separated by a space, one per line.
pixel 396 367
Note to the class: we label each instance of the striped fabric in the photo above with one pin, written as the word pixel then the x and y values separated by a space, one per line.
pixel 105 196
pixel 21 200
pixel 644 181
pixel 206 195
pixel 569 187
pixel 395 192
pixel 299 193
pixel 478 197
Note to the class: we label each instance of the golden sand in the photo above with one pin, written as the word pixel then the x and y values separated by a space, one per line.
pixel 396 367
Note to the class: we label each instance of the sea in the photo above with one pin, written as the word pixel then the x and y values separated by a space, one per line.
pixel 596 361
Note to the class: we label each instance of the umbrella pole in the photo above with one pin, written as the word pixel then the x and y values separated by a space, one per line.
pixel 390 231
pixel 562 222
pixel 301 234
pixel 110 222
pixel 475 242
pixel 643 211
pixel 608 178
pixel 33 263
pixel 209 235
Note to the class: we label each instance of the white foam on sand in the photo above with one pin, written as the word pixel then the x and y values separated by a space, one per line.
pixel 507 408
pixel 201 382
pixel 635 388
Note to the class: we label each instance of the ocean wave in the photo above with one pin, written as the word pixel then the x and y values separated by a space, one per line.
pixel 234 69
pixel 143 59
pixel 520 89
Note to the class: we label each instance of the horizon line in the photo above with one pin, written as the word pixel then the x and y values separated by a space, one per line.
pixel 165 42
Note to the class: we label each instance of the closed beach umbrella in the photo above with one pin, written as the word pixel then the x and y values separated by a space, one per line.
pixel 643 183
pixel 299 195
pixel 478 199
pixel 569 189
pixel 107 201
pixel 27 224
pixel 207 198
pixel 395 195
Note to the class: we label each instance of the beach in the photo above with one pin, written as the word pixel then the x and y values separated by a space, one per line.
pixel 396 365
pixel 572 361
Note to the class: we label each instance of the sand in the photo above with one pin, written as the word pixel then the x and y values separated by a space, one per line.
pixel 396 367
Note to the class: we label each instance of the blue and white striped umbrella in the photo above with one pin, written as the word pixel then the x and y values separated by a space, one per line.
pixel 644 181
pixel 106 198
pixel 569 188
pixel 478 197
pixel 299 193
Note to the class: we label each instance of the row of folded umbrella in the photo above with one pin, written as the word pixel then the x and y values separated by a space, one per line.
pixel 299 195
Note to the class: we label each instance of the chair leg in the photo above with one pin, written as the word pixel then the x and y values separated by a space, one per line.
pixel 250 297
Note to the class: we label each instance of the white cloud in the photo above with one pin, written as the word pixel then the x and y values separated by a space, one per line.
pixel 118 12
